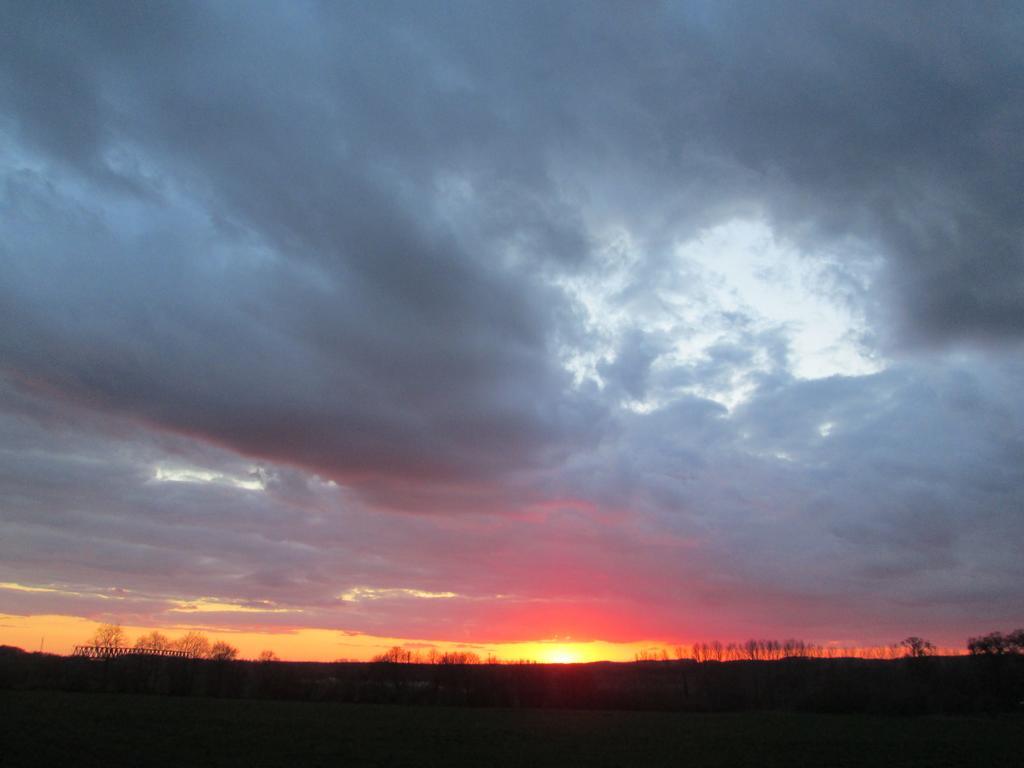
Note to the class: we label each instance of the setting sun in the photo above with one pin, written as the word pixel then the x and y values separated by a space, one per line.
pixel 562 655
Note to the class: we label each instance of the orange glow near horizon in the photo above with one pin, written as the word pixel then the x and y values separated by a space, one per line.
pixel 60 634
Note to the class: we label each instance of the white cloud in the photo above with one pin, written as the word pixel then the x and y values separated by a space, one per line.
pixel 358 594
pixel 251 482
pixel 745 268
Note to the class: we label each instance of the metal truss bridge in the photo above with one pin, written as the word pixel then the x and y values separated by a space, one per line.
pixel 114 651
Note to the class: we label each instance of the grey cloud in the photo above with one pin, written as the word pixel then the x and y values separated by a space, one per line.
pixel 329 152
pixel 687 511
pixel 335 241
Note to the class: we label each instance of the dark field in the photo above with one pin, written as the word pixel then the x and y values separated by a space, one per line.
pixel 955 685
pixel 40 728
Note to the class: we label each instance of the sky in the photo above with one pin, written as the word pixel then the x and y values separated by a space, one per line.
pixel 330 326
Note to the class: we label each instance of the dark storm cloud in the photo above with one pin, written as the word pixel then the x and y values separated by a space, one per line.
pixel 313 308
pixel 341 242
pixel 898 122
pixel 337 143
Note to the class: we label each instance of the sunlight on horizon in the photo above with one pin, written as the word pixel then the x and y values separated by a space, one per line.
pixel 60 634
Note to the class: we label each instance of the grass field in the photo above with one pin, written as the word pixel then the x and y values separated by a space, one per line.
pixel 41 728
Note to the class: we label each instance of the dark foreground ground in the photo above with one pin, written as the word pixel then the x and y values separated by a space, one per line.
pixel 951 685
pixel 42 728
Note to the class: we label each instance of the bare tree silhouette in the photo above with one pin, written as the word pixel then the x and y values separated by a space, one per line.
pixel 222 651
pixel 917 647
pixel 194 644
pixel 394 655
pixel 996 643
pixel 154 640
pixel 110 635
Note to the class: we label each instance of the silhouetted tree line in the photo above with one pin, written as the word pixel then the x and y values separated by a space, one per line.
pixel 195 644
pixel 997 644
pixel 399 655
pixel 911 684
pixel 775 650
